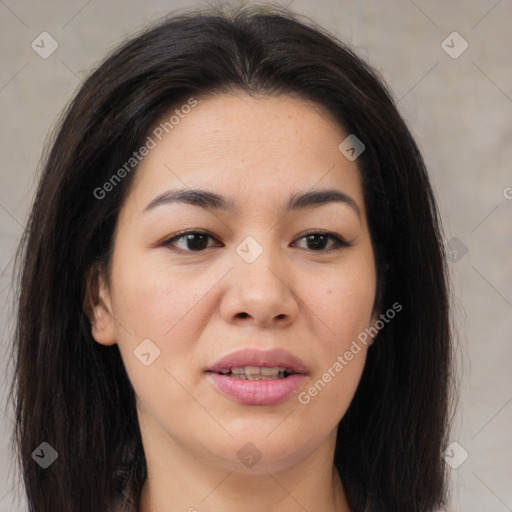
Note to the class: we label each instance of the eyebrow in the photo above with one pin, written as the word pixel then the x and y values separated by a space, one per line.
pixel 212 201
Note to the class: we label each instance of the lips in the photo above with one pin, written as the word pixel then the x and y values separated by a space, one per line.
pixel 276 358
pixel 255 377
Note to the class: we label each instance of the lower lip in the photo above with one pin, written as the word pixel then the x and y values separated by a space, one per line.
pixel 257 392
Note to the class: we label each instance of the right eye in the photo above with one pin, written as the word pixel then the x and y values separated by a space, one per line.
pixel 191 241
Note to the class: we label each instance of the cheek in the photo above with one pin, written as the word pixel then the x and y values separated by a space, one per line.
pixel 154 299
pixel 342 308
pixel 170 307
pixel 344 302
pixel 154 302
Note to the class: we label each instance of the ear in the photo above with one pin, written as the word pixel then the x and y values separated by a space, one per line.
pixel 375 316
pixel 377 308
pixel 98 306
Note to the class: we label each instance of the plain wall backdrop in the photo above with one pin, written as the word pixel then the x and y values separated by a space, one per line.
pixel 458 104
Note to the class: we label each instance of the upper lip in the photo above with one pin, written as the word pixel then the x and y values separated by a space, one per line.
pixel 263 358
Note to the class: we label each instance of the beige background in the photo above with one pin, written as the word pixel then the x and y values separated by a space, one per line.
pixel 460 110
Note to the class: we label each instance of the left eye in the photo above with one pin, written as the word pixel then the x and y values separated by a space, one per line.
pixel 318 241
pixel 197 241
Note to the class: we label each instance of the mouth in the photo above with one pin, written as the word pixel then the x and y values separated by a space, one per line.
pixel 248 364
pixel 256 372
pixel 255 377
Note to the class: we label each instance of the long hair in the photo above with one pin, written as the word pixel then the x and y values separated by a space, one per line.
pixel 74 393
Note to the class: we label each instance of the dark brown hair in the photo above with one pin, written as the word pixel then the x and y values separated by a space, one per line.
pixel 74 393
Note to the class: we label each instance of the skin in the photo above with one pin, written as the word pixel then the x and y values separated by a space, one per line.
pixel 198 306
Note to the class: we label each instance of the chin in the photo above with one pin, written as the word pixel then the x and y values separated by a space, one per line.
pixel 253 452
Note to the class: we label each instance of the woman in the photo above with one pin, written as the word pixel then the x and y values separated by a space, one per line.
pixel 232 286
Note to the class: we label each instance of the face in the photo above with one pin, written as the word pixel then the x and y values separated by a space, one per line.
pixel 290 285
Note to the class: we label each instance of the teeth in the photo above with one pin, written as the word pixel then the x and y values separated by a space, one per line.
pixel 255 372
pixel 252 370
pixel 270 371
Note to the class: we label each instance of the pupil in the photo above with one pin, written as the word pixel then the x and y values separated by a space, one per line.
pixel 317 245
pixel 196 246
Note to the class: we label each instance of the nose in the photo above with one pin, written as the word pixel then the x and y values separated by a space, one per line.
pixel 260 293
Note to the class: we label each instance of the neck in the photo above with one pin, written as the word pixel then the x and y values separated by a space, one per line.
pixel 178 481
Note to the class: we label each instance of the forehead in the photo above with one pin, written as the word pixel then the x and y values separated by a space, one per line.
pixel 252 149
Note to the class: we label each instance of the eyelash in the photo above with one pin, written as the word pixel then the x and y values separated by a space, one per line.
pixel 340 243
